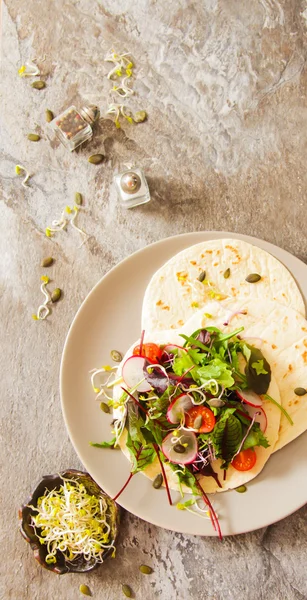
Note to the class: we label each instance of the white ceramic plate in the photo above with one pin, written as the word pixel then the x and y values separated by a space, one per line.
pixel 110 318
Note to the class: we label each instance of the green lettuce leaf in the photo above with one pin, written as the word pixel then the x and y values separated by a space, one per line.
pixel 255 438
pixel 218 370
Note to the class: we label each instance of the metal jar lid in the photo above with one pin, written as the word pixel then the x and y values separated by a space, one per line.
pixel 90 113
pixel 130 182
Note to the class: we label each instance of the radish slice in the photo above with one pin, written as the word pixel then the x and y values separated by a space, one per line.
pixel 182 449
pixel 249 397
pixel 261 419
pixel 178 407
pixel 172 347
pixel 132 373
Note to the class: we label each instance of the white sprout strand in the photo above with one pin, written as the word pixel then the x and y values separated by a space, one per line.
pixel 204 508
pixel 27 175
pixel 123 112
pixel 32 71
pixel 43 310
pixel 72 222
pixel 123 90
pixel 59 225
pixel 94 373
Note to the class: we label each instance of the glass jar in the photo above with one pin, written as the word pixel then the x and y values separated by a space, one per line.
pixel 132 188
pixel 73 127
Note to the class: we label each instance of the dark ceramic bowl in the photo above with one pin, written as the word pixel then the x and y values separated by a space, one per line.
pixel 62 565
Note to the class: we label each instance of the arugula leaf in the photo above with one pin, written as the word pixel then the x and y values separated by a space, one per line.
pixel 221 337
pixel 255 438
pixel 104 444
pixel 218 370
pixel 185 477
pixel 195 355
pixel 259 368
pixel 182 363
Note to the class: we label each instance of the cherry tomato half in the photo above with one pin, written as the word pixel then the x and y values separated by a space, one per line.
pixel 151 351
pixel 245 460
pixel 207 418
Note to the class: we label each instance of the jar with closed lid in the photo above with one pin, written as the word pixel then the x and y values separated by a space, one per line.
pixel 73 127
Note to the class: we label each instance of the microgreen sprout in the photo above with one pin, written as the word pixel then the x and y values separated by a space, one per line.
pixel 101 391
pixel 119 110
pixel 22 171
pixel 29 70
pixel 122 64
pixel 123 89
pixel 59 225
pixel 43 310
pixel 72 521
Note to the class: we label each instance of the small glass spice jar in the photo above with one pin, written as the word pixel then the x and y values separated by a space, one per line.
pixel 73 127
pixel 132 188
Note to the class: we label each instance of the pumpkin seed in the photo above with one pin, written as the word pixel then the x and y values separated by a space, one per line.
pixel 38 85
pixel 84 589
pixel 78 199
pixel 127 591
pixel 226 273
pixel 116 356
pixel 146 570
pixel 34 137
pixel 241 489
pixel 95 159
pixel 140 116
pixel 104 407
pixel 179 448
pixel 47 262
pixel 56 295
pixel 49 115
pixel 300 391
pixel 157 482
pixel 198 422
pixel 202 276
pixel 253 278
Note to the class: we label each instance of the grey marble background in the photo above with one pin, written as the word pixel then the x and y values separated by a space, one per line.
pixel 224 85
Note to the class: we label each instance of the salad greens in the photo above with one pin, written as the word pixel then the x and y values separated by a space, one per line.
pixel 203 381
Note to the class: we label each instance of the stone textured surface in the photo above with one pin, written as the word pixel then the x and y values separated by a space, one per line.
pixel 224 85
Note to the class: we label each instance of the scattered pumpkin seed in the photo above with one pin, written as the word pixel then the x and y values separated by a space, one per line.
pixel 116 356
pixel 56 295
pixel 227 274
pixel 198 422
pixel 179 448
pixel 157 482
pixel 84 589
pixel 78 199
pixel 299 391
pixel 104 407
pixel 146 570
pixel 241 489
pixel 140 116
pixel 49 116
pixel 38 85
pixel 127 591
pixel 95 159
pixel 202 276
pixel 47 262
pixel 33 137
pixel 253 278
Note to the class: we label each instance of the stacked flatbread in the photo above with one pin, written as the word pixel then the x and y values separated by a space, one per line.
pixel 229 283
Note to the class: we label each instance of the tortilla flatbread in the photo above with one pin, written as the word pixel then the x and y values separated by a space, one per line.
pixel 175 293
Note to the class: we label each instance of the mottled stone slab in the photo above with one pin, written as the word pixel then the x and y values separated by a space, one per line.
pixel 224 147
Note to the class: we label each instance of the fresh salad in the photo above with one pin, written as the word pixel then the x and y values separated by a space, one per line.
pixel 188 405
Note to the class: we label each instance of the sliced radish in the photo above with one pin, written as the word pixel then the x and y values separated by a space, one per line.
pixel 172 347
pixel 249 397
pixel 182 449
pixel 261 419
pixel 133 373
pixel 178 407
